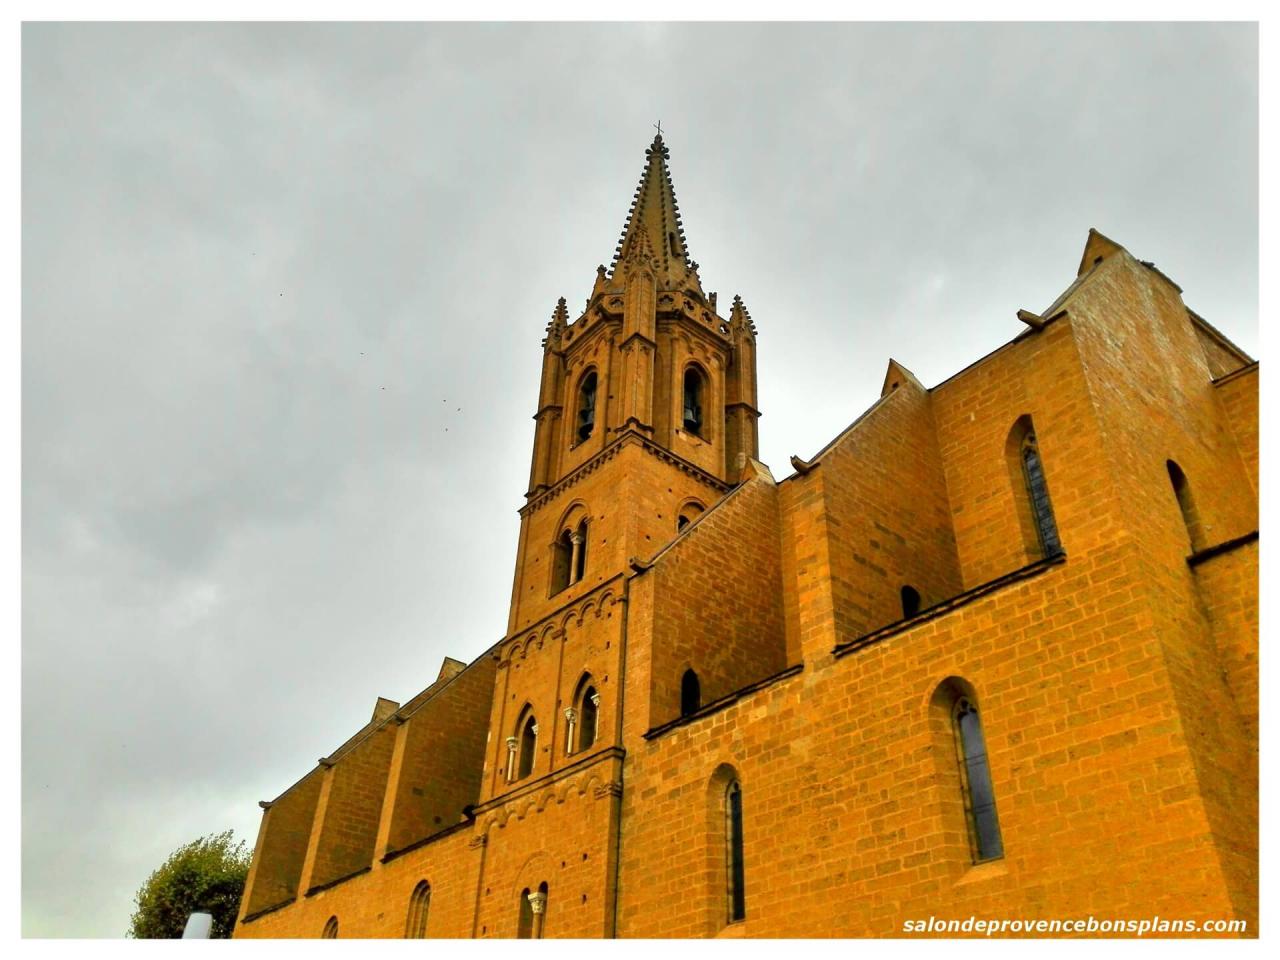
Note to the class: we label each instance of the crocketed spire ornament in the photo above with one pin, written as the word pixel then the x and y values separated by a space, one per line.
pixel 556 325
pixel 653 228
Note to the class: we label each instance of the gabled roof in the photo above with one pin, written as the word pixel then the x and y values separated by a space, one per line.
pixel 1096 249
pixel 896 376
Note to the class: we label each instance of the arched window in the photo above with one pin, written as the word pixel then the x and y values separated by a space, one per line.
pixel 415 927
pixel 690 693
pixel 910 602
pixel 330 929
pixel 1031 491
pixel 1187 506
pixel 975 780
pixel 569 557
pixel 688 512
pixel 524 927
pixel 588 718
pixel 561 562
pixel 533 911
pixel 586 406
pixel 582 720
pixel 528 747
pixel 579 541
pixel 733 835
pixel 693 384
pixel 1038 493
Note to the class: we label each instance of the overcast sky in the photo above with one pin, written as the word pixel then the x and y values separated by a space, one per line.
pixel 283 292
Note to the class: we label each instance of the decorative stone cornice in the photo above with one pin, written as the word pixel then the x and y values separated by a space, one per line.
pixel 538 500
pixel 610 789
pixel 553 626
pixel 552 787
pixel 947 606
pixel 705 326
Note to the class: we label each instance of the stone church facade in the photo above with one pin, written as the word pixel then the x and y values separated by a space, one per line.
pixel 992 651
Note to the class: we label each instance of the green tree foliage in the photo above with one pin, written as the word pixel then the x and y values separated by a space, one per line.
pixel 206 874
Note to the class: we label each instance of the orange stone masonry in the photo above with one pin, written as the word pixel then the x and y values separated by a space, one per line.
pixel 1062 536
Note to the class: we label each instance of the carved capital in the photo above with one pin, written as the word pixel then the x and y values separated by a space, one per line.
pixel 570 714
pixel 512 744
pixel 538 901
pixel 480 841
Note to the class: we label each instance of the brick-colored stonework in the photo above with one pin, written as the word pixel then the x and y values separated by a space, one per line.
pixel 1062 537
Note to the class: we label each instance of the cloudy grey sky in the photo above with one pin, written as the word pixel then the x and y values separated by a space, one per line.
pixel 283 291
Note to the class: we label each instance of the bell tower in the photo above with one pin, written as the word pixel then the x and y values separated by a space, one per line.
pixel 646 410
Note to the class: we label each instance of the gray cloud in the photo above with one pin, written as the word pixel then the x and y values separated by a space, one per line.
pixel 265 265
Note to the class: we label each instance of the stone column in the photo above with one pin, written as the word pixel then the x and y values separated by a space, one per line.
pixel 512 744
pixel 571 719
pixel 576 539
pixel 538 902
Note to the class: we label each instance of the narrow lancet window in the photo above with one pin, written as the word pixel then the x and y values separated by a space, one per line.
pixel 419 903
pixel 690 693
pixel 330 929
pixel 1038 495
pixel 910 602
pixel 693 400
pixel 737 871
pixel 524 926
pixel 1186 506
pixel 588 718
pixel 587 406
pixel 561 562
pixel 528 748
pixel 975 771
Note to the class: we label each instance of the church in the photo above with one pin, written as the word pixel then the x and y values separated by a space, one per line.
pixel 992 652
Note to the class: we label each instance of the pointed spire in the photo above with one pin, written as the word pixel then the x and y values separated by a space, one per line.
pixel 555 326
pixel 653 228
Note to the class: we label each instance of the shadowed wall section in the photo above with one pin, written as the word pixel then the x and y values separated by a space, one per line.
pixel 278 865
pixel 350 824
pixel 888 527
pixel 719 599
pixel 443 756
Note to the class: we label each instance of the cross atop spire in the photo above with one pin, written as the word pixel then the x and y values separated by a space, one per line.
pixel 654 223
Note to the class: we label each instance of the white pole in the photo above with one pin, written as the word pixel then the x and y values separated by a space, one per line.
pixel 199 926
